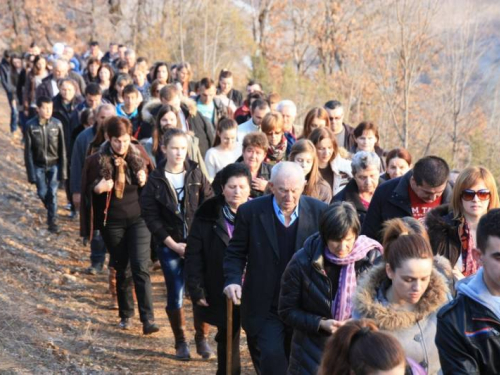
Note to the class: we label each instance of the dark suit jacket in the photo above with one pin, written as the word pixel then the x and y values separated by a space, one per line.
pixel 45 88
pixel 254 245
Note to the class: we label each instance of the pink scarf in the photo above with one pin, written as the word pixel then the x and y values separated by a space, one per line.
pixel 342 303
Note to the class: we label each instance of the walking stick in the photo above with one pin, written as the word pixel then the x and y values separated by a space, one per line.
pixel 229 336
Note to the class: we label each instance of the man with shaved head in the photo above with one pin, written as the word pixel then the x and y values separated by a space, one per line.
pixel 49 86
pixel 268 231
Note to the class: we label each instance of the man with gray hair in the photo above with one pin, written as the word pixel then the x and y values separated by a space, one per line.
pixel 288 110
pixel 366 177
pixel 343 132
pixel 268 231
pixel 49 86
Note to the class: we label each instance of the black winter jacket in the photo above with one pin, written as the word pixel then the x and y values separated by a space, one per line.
pixel 201 128
pixel 392 200
pixel 443 233
pixel 44 147
pixel 64 114
pixel 468 338
pixel 159 204
pixel 306 298
pixel 351 194
pixel 206 246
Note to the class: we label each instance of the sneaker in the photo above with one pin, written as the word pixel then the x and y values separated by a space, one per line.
pixel 54 228
pixel 94 269
pixel 149 328
pixel 125 324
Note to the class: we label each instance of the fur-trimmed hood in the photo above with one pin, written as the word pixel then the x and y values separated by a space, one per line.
pixel 443 233
pixel 367 304
pixel 150 110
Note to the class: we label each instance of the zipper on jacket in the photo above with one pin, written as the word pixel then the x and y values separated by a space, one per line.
pixel 424 346
pixel 329 289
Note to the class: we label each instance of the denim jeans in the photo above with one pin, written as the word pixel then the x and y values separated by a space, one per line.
pixel 97 250
pixel 128 243
pixel 173 271
pixel 13 113
pixel 46 187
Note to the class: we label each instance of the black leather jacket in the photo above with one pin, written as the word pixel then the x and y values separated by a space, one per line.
pixel 468 338
pixel 44 147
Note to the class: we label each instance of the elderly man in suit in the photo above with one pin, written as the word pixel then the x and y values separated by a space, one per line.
pixel 268 231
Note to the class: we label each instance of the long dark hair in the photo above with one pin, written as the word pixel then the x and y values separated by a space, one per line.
pixel 157 130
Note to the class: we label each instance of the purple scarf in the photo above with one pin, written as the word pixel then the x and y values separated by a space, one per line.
pixel 342 302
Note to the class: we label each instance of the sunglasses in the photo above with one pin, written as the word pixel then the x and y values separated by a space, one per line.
pixel 483 194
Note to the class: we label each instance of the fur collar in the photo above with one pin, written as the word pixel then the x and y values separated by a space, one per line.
pixel 368 306
pixel 190 105
pixel 150 110
pixel 134 160
pixel 211 209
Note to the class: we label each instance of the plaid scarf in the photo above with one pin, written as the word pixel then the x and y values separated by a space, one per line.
pixel 342 302
pixel 469 260
pixel 277 153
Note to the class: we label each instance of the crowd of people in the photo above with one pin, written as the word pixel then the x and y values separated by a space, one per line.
pixel 340 257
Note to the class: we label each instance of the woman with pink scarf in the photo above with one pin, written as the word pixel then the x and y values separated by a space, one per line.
pixel 319 284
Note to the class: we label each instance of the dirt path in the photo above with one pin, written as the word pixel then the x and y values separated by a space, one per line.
pixel 53 317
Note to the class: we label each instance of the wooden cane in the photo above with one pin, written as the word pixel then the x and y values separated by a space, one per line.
pixel 229 336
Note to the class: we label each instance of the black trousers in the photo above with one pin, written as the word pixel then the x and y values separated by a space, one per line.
pixel 128 243
pixel 270 347
pixel 221 339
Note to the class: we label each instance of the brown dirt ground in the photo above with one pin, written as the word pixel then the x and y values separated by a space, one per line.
pixel 53 317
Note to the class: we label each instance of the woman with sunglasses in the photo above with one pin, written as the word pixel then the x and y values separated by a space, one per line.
pixel 452 228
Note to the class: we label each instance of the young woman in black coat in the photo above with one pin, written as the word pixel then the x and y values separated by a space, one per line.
pixel 211 231
pixel 169 201
pixel 319 283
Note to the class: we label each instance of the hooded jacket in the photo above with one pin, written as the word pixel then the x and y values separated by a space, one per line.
pixel 159 205
pixel 305 299
pixel 443 233
pixel 468 330
pixel 200 126
pixel 415 330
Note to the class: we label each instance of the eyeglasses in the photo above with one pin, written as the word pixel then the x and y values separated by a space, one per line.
pixel 483 194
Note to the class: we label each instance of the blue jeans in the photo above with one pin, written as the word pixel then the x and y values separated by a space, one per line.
pixel 97 250
pixel 173 271
pixel 46 187
pixel 13 113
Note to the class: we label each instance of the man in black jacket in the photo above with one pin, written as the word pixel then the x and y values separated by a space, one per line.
pixel 268 231
pixel 468 328
pixel 191 119
pixel 45 157
pixel 414 194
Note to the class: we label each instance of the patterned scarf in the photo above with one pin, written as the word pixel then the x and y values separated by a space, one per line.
pixel 342 302
pixel 469 260
pixel 229 217
pixel 277 153
pixel 120 176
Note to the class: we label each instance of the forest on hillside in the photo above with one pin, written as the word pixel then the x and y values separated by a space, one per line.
pixel 424 70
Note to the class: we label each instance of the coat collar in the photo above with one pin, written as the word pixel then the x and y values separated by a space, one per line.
pixel 368 305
